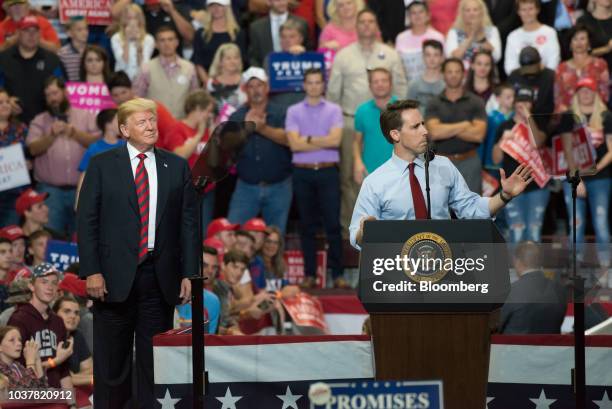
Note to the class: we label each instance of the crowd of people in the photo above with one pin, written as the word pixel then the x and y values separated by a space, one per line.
pixel 478 68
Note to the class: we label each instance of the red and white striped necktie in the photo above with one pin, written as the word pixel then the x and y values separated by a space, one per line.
pixel 142 192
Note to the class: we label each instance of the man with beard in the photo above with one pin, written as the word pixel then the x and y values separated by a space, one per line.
pixel 57 140
pixel 457 122
pixel 264 165
pixel 25 66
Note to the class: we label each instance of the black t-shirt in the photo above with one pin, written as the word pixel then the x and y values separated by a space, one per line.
pixel 204 51
pixel 25 78
pixel 567 124
pixel 467 108
pixel 80 352
pixel 543 86
pixel 155 20
pixel 508 162
pixel 601 33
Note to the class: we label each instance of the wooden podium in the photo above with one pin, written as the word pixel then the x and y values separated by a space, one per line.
pixel 446 337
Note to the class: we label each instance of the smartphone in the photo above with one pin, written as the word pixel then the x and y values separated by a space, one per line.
pixel 264 305
pixel 65 344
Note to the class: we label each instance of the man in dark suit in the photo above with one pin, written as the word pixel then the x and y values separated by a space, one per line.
pixel 138 244
pixel 264 33
pixel 536 304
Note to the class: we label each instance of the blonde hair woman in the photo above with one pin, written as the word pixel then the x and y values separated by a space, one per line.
pixel 588 106
pixel 219 26
pixel 472 31
pixel 132 45
pixel 342 28
pixel 224 77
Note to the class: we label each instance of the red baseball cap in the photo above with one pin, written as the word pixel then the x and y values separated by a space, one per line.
pixel 219 225
pixel 587 82
pixel 27 22
pixel 74 285
pixel 255 224
pixel 27 198
pixel 12 232
pixel 216 244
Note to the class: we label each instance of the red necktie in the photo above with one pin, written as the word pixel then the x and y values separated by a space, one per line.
pixel 142 192
pixel 420 210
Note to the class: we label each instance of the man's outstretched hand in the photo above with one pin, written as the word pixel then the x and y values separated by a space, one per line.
pixel 516 183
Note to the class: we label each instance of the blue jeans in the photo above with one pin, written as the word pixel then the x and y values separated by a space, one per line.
pixel 273 201
pixel 8 214
pixel 317 194
pixel 598 196
pixel 62 218
pixel 525 215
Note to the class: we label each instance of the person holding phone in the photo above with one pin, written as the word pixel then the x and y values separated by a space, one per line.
pixel 80 363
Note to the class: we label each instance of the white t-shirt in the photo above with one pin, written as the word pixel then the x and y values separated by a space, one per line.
pixel 246 277
pixel 544 39
pixel 131 67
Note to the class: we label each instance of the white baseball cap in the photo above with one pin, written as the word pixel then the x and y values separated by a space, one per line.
pixel 254 72
pixel 221 2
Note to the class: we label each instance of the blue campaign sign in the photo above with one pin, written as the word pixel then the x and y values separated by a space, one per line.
pixel 377 395
pixel 286 70
pixel 61 254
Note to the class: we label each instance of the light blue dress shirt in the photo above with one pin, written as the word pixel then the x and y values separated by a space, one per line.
pixel 386 193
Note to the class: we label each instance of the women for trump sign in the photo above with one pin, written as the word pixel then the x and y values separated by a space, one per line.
pixel 89 96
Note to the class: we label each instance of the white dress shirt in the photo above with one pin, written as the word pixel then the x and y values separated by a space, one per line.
pixel 276 21
pixel 151 168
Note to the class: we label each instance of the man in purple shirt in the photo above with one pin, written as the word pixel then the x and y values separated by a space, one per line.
pixel 314 129
pixel 57 140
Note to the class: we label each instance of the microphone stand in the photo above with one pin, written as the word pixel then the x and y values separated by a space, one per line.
pixel 429 155
pixel 199 375
pixel 579 370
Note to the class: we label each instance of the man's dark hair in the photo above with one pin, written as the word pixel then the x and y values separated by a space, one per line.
pixel 528 253
pixel 244 233
pixel 417 3
pixel 314 71
pixel 65 298
pixel 59 81
pixel 499 88
pixel 453 60
pixel 104 117
pixel 165 28
pixel 210 250
pixel 197 99
pixel 391 117
pixel 367 10
pixel 435 44
pixel 5 240
pixel 119 79
pixel 236 256
pixel 537 3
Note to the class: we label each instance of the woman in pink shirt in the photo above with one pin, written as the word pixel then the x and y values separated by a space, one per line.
pixel 342 28
pixel 409 43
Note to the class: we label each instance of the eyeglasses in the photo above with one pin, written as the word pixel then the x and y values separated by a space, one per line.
pixel 269 241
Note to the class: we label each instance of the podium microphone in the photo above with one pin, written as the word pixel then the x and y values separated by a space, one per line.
pixel 430 154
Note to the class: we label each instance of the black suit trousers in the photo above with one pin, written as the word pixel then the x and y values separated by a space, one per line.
pixel 143 314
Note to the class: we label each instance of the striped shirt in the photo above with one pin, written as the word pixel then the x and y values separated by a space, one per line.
pixel 71 58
